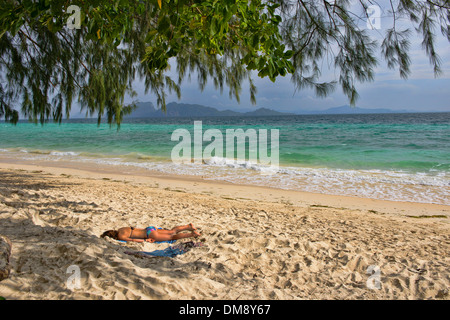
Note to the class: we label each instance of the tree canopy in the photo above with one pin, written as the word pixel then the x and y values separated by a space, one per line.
pixel 46 64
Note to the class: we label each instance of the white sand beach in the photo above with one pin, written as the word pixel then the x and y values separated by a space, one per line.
pixel 259 243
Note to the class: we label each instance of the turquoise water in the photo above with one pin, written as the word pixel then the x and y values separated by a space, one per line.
pixel 362 151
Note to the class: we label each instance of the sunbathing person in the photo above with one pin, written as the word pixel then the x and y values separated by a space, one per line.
pixel 151 234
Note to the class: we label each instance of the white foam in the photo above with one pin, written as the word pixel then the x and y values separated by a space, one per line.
pixel 64 153
pixel 233 163
pixel 378 184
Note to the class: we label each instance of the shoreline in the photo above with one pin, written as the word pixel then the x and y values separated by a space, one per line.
pixel 397 186
pixel 224 189
pixel 259 243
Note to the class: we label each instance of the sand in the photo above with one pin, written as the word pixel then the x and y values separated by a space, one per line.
pixel 260 243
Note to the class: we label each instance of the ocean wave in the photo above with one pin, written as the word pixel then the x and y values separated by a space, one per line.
pixel 64 153
pixel 141 157
pixel 370 176
pixel 35 151
pixel 233 163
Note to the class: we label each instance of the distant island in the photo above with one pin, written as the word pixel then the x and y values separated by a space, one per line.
pixel 173 109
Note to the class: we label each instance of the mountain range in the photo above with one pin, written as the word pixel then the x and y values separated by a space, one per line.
pixel 173 109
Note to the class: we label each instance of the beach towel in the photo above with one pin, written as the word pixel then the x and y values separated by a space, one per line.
pixel 170 251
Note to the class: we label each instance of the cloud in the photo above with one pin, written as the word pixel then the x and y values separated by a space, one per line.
pixel 415 95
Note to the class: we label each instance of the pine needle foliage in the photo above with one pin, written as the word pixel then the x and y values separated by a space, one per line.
pixel 45 66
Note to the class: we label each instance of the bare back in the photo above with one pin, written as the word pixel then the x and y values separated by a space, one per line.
pixel 132 233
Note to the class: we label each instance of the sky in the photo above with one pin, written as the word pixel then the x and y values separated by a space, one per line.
pixel 421 92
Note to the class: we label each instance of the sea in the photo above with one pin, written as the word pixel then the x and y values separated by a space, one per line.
pixel 398 157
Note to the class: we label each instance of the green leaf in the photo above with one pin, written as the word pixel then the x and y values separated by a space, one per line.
pixel 288 54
